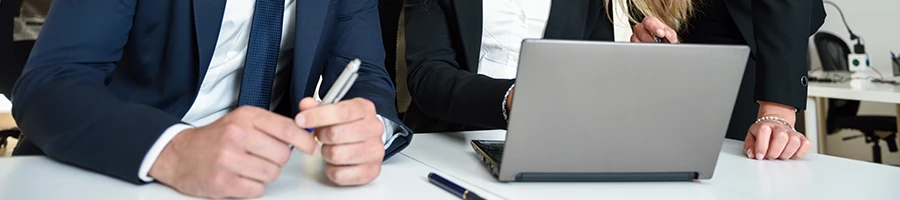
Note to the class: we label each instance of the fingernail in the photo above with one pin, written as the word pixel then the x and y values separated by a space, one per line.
pixel 749 154
pixel 759 156
pixel 660 33
pixel 300 120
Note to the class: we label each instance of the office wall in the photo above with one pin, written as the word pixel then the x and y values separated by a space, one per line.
pixel 878 22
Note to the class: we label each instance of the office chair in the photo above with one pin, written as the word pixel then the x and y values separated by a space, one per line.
pixel 842 114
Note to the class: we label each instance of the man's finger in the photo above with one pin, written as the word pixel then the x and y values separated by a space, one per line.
pixel 355 132
pixel 244 188
pixel 347 175
pixel 284 129
pixel 266 147
pixel 254 168
pixel 356 153
pixel 763 133
pixel 308 103
pixel 779 141
pixel 342 112
pixel 792 147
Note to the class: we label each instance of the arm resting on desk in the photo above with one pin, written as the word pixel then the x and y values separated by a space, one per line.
pixel 439 85
pixel 62 102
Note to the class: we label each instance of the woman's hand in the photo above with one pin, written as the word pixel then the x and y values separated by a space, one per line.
pixel 652 27
pixel 771 139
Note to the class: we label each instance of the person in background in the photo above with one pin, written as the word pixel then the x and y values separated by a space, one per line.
pixel 462 56
pixel 207 97
pixel 773 88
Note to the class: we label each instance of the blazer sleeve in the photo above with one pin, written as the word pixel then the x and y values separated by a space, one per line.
pixel 781 29
pixel 61 102
pixel 438 84
pixel 358 35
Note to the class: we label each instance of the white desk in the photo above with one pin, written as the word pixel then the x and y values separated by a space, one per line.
pixel 819 93
pixel 35 177
pixel 736 177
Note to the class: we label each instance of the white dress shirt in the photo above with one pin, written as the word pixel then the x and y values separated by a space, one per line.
pixel 507 22
pixel 220 88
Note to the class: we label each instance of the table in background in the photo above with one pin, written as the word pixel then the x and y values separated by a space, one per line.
pixel 37 177
pixel 818 96
pixel 736 177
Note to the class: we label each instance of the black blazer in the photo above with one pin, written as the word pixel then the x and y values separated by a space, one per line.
pixel 444 38
pixel 443 42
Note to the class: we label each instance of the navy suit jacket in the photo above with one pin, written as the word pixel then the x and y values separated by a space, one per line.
pixel 107 77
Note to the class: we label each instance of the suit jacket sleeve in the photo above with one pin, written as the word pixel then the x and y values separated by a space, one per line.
pixel 61 102
pixel 438 84
pixel 358 35
pixel 781 29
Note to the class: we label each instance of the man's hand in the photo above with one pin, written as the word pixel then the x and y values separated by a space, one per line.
pixel 232 157
pixel 351 135
pixel 774 140
pixel 653 27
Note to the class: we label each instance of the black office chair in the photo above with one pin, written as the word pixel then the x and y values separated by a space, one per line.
pixel 842 114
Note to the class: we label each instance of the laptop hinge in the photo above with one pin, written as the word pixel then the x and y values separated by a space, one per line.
pixel 606 177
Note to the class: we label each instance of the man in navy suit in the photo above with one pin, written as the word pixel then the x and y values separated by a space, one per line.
pixel 185 92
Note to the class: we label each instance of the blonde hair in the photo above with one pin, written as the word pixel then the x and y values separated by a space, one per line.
pixel 671 12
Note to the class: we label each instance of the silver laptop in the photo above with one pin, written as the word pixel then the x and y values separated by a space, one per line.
pixel 605 111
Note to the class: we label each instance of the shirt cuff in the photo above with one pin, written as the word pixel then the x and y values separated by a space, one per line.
pixel 391 132
pixel 156 149
pixel 505 97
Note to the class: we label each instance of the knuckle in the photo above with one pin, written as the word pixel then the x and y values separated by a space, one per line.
pixel 376 127
pixel 370 173
pixel 335 174
pixel 287 131
pixel 246 110
pixel 335 154
pixel 283 156
pixel 222 158
pixel 332 134
pixel 220 182
pixel 232 133
pixel 366 104
pixel 795 140
pixel 271 172
pixel 781 135
pixel 807 143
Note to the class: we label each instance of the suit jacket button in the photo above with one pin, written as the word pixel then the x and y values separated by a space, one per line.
pixel 804 81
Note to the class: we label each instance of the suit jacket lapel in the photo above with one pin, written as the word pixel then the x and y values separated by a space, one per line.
pixel 470 22
pixel 207 22
pixel 309 28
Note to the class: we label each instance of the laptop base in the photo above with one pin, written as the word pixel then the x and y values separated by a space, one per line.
pixel 490 153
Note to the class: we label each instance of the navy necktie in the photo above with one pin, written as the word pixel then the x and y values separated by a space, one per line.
pixel 262 54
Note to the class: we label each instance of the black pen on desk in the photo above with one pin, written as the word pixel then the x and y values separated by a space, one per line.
pixel 451 187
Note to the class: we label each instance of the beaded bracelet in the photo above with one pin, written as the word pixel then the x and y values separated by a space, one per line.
pixel 774 118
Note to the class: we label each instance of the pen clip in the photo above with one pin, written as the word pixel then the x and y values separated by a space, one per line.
pixel 342 83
